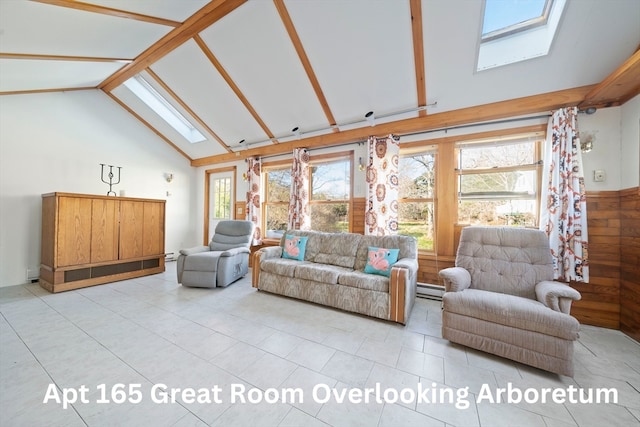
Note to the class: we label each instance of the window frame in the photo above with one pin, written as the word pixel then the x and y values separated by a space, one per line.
pixel 537 138
pixel 314 160
pixel 424 149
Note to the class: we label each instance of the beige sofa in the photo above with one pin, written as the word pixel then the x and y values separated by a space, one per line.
pixel 332 273
pixel 501 298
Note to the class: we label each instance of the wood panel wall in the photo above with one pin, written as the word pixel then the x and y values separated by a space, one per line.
pixel 630 262
pixel 600 303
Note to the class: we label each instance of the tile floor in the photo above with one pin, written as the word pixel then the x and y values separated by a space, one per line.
pixel 115 354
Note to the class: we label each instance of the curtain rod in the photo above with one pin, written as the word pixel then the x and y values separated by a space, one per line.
pixel 424 132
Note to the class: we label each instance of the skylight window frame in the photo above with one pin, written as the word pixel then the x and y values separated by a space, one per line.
pixel 141 88
pixel 520 26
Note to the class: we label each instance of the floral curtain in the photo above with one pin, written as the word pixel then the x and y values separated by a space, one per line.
pixel 381 217
pixel 299 218
pixel 564 214
pixel 253 197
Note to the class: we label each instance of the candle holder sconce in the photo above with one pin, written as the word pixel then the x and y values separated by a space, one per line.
pixel 110 176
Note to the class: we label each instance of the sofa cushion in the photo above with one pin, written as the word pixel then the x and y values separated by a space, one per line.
pixel 294 247
pixel 380 261
pixel 407 245
pixel 360 280
pixel 338 249
pixel 319 272
pixel 510 310
pixel 280 266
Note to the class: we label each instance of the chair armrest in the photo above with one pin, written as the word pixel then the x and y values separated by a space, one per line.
pixel 194 250
pixel 557 296
pixel 402 289
pixel 455 279
pixel 271 252
pixel 235 251
pixel 260 255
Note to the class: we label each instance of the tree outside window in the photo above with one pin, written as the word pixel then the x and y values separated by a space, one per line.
pixel 222 198
pixel 498 182
pixel 330 195
pixel 417 197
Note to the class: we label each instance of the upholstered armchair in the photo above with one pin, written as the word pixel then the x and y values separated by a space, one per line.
pixel 501 298
pixel 222 262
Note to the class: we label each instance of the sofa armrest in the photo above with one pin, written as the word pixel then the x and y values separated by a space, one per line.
pixel 260 255
pixel 455 279
pixel 557 296
pixel 235 251
pixel 194 250
pixel 402 289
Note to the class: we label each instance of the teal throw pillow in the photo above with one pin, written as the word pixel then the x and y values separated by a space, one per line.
pixel 380 260
pixel 294 247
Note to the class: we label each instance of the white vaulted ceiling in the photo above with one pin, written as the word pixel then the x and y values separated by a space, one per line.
pixel 253 70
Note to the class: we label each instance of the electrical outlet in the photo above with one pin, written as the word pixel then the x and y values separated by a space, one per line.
pixel 599 175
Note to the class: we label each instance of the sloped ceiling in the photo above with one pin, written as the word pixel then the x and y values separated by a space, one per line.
pixel 253 70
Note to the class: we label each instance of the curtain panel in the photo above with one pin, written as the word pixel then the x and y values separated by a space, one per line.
pixel 299 218
pixel 563 213
pixel 381 217
pixel 253 197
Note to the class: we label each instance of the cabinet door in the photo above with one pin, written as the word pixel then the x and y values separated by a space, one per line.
pixel 153 228
pixel 131 228
pixel 104 230
pixel 74 231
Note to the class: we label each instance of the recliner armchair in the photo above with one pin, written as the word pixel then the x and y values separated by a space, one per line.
pixel 500 298
pixel 222 262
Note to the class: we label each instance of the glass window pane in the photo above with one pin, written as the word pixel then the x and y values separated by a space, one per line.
pixel 499 14
pixel 416 219
pixel 276 219
pixel 330 217
pixel 498 212
pixel 278 185
pixel 417 176
pixel 330 181
pixel 514 184
pixel 492 156
pixel 222 198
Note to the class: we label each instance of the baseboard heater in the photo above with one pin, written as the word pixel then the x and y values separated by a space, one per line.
pixel 429 291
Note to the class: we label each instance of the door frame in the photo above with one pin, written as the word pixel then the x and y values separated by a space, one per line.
pixel 207 185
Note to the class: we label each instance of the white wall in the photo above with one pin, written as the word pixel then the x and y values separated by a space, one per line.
pixel 630 143
pixel 56 142
pixel 604 125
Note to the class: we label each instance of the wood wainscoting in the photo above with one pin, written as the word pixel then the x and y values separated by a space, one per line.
pixel 630 262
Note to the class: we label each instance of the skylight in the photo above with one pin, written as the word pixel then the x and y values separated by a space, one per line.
pixel 517 30
pixel 147 94
pixel 502 17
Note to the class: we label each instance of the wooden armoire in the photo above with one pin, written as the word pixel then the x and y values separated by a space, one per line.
pixel 89 240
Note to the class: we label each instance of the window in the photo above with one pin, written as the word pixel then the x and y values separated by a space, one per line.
pixel 276 204
pixel 330 195
pixel 222 198
pixel 517 30
pixel 159 104
pixel 498 181
pixel 416 196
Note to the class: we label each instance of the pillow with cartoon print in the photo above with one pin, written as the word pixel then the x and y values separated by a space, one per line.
pixel 294 247
pixel 380 260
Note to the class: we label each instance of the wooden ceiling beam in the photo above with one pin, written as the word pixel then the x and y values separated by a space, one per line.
pixel 209 14
pixel 618 87
pixel 418 53
pixel 234 87
pixel 87 7
pixel 30 56
pixel 482 113
pixel 304 59
pixel 188 109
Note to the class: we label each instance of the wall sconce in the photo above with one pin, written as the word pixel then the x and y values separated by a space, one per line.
pixel 361 166
pixel 586 141
pixel 370 118
pixel 168 176
pixel 296 132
